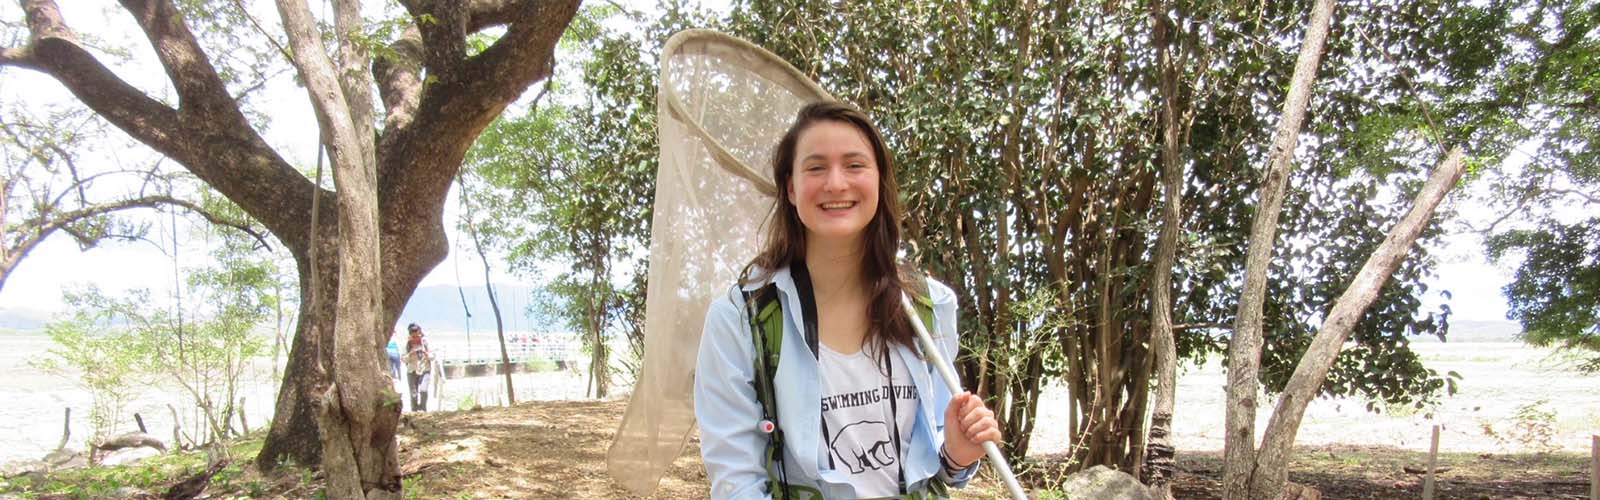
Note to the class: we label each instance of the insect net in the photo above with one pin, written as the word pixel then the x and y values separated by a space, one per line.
pixel 722 105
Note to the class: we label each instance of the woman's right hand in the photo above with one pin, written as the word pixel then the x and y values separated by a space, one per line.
pixel 967 425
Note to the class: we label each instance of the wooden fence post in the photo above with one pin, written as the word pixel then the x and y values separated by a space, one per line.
pixel 66 429
pixel 1594 467
pixel 1433 462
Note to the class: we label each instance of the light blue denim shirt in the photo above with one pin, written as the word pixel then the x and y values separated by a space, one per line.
pixel 729 413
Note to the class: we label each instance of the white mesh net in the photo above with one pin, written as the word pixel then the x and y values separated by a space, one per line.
pixel 722 106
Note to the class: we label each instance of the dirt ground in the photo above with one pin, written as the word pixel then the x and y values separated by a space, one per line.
pixel 1349 472
pixel 556 450
pixel 544 450
pixel 552 449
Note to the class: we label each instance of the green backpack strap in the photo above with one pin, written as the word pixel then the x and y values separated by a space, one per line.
pixel 766 328
pixel 766 334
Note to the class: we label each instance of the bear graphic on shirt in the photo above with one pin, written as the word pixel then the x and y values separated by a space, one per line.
pixel 863 446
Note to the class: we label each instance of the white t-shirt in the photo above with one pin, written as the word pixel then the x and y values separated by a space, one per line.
pixel 858 431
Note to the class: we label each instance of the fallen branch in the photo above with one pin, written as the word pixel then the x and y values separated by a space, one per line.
pixel 195 485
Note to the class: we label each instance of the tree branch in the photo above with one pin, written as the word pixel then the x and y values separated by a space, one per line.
pixel 417 162
pixel 1522 202
pixel 283 51
pixel 45 21
pixel 35 231
pixel 355 79
pixel 444 33
pixel 1573 192
pixel 1271 470
pixel 485 13
pixel 317 71
pixel 68 218
pixel 19 57
pixel 78 185
pixel 1202 326
pixel 399 79
pixel 201 91
pixel 464 100
pixel 217 145
pixel 144 118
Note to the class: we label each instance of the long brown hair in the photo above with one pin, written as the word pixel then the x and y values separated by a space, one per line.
pixel 786 235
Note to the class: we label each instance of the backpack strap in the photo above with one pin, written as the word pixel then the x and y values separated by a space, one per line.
pixel 808 305
pixel 765 311
pixel 766 334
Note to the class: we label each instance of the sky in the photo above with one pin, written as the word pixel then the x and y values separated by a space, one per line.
pixel 58 264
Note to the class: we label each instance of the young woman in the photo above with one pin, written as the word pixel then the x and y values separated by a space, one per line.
pixel 419 373
pixel 861 414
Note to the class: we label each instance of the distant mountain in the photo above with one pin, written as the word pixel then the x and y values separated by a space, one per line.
pixel 1483 331
pixel 23 320
pixel 436 308
pixel 439 308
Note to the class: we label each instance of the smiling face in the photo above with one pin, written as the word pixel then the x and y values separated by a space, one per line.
pixel 834 187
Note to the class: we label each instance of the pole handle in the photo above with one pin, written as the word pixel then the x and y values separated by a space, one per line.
pixel 948 373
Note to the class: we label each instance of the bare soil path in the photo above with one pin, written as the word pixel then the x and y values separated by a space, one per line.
pixel 556 450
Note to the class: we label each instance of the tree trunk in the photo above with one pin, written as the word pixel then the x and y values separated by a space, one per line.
pixel 599 362
pixel 1160 466
pixel 488 287
pixel 359 413
pixel 293 437
pixel 499 330
pixel 1271 467
pixel 1244 350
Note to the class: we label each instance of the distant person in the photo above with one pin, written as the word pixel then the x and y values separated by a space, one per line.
pixel 394 359
pixel 419 358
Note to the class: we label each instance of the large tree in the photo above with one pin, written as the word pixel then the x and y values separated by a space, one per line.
pixel 396 154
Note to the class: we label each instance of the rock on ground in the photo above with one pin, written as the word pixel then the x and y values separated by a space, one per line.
pixel 128 456
pixel 1292 491
pixel 22 467
pixel 66 459
pixel 1103 483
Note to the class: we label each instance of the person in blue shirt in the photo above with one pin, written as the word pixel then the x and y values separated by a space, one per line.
pixel 861 415
pixel 394 359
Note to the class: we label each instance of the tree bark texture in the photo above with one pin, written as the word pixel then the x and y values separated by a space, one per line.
pixel 600 352
pixel 1271 470
pixel 360 411
pixel 1160 466
pixel 427 130
pixel 1244 349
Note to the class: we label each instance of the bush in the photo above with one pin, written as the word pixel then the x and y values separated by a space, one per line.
pixel 104 361
pixel 1532 428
